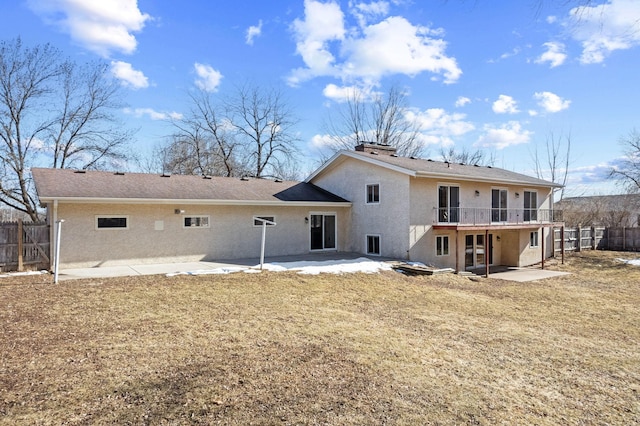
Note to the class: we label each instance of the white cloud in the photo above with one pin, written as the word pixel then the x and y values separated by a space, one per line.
pixel 153 114
pixel 253 32
pixel 462 101
pixel 551 102
pixel 100 26
pixel 604 28
pixel 322 141
pixel 364 12
pixel 208 78
pixel 508 134
pixel 344 93
pixel 323 23
pixel 505 105
pixel 438 126
pixel 129 77
pixel 554 55
pixel 369 52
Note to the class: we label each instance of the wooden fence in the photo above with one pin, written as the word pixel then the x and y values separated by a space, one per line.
pixel 24 245
pixel 597 238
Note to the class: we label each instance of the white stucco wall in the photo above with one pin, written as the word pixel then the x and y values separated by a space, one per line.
pixel 156 234
pixel 389 218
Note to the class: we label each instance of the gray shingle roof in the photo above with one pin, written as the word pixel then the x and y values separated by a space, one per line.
pixel 97 185
pixel 429 168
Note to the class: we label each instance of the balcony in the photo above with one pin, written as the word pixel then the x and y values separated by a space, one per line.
pixel 490 216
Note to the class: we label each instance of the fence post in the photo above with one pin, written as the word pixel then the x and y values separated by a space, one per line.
pixel 579 239
pixel 20 246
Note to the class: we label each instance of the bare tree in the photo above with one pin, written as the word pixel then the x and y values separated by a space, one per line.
pixel 264 125
pixel 627 172
pixel 473 158
pixel 53 113
pixel 553 163
pixel 202 143
pixel 251 132
pixel 381 119
pixel 604 210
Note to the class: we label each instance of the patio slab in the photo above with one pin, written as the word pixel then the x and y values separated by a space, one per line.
pixel 526 274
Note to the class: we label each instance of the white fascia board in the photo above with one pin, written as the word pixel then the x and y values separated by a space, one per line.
pixel 82 200
pixel 370 160
pixel 451 176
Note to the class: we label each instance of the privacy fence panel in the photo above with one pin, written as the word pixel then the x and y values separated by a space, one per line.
pixel 24 245
pixel 623 239
pixel 577 239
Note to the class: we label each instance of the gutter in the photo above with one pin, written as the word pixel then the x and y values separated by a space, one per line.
pixel 162 201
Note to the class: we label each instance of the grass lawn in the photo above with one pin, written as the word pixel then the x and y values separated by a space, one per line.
pixel 283 348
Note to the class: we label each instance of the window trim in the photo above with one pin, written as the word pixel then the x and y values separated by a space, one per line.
pixel 271 217
pixel 531 239
pixel 208 225
pixel 374 201
pixel 366 242
pixel 111 216
pixel 502 211
pixel 532 211
pixel 442 238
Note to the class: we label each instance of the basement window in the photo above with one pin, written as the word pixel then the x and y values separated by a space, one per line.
pixel 442 245
pixel 112 222
pixel 196 221
pixel 373 244
pixel 533 239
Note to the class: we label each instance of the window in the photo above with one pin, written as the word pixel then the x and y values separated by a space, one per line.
pixel 258 222
pixel 533 239
pixel 373 194
pixel 112 222
pixel 498 205
pixel 530 206
pixel 442 245
pixel 448 203
pixel 196 221
pixel 373 244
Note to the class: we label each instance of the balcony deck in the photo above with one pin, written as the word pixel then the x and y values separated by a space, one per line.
pixel 483 218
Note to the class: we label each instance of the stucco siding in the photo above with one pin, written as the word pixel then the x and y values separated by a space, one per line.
pixel 156 233
pixel 388 219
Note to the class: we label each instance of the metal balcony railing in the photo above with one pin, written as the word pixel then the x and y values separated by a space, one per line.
pixel 488 216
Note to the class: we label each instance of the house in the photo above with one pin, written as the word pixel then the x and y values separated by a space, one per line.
pixel 123 218
pixel 445 214
pixel 368 201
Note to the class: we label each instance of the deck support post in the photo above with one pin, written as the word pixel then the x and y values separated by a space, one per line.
pixel 486 253
pixel 542 245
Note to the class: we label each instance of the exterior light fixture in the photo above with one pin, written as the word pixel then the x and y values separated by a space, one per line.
pixel 477 193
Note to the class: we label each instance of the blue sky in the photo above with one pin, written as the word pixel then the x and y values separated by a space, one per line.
pixel 499 75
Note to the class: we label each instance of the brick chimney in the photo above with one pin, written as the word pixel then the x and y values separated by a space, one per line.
pixel 376 148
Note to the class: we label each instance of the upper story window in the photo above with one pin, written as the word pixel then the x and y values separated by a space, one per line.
pixel 448 203
pixel 112 222
pixel 530 206
pixel 498 205
pixel 373 194
pixel 196 221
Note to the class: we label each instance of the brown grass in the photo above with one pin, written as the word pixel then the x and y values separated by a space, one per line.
pixel 282 348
